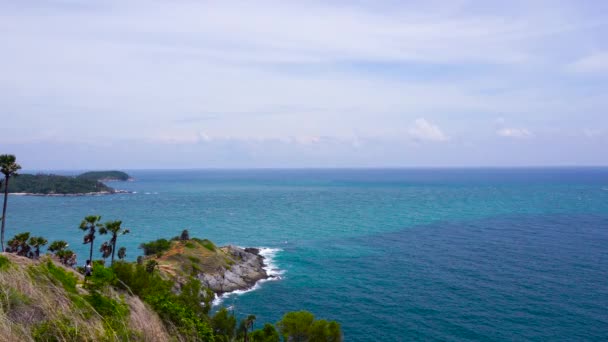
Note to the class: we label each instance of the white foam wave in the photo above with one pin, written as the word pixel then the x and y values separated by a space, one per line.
pixel 270 267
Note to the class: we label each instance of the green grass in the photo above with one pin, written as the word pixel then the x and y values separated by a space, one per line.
pixel 67 279
pixel 4 262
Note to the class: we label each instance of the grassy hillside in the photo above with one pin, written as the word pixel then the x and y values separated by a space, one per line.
pixel 44 301
pixel 185 258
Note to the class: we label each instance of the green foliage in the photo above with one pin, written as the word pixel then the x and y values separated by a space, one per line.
pixel 205 243
pixel 19 244
pixel 266 334
pixel 55 184
pixel 58 245
pixel 224 324
pixel 151 265
pixel 182 311
pixel 122 252
pixel 101 276
pixel 196 297
pixel 301 326
pixel 294 325
pixel 62 329
pixel 324 331
pixel 138 280
pixel 189 245
pixel 10 299
pixel 67 279
pixel 4 262
pixel 154 247
pixel 104 176
pixel 113 312
pixel 36 242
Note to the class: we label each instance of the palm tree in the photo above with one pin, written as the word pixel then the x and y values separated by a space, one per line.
pixel 122 252
pixel 66 256
pixel 114 228
pixel 18 244
pixel 36 242
pixel 246 324
pixel 89 224
pixel 9 168
pixel 106 250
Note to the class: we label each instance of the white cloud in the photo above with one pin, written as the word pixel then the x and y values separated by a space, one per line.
pixel 593 132
pixel 595 63
pixel 426 131
pixel 514 133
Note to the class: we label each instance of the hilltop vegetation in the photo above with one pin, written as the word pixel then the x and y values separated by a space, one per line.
pixel 221 269
pixel 104 176
pixel 49 184
pixel 55 184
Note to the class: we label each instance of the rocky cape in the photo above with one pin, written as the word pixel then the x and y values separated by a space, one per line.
pixel 221 269
pixel 244 274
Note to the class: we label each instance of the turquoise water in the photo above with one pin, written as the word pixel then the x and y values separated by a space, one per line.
pixel 394 255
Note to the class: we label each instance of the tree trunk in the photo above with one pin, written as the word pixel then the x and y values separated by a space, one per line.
pixel 91 252
pixel 4 211
pixel 113 248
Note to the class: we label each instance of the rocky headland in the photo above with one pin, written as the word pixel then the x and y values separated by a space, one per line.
pixel 221 269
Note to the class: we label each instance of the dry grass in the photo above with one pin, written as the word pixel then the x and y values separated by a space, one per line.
pixel 185 258
pixel 146 322
pixel 36 306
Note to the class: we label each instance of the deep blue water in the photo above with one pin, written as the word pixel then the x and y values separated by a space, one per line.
pixel 394 255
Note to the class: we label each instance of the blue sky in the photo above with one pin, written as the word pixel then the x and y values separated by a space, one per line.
pixel 196 84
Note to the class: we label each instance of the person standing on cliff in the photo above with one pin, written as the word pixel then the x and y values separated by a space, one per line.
pixel 88 270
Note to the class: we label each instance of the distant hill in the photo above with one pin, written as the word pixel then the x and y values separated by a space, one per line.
pixel 49 184
pixel 104 176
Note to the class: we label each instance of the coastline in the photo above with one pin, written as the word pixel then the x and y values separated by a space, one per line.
pixel 99 193
pixel 273 273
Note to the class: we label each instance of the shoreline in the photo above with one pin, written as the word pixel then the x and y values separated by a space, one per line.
pixel 273 273
pixel 99 193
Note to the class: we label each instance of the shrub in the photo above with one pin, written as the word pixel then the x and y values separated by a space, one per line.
pixel 155 247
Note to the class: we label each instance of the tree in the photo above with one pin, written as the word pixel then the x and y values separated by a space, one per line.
pixel 151 265
pixel 106 250
pixel 9 168
pixel 244 327
pixel 266 334
pixel 113 227
pixel 36 242
pixel 223 324
pixel 324 331
pixel 18 244
pixel 122 252
pixel 89 225
pixel 301 326
pixel 185 235
pixel 66 256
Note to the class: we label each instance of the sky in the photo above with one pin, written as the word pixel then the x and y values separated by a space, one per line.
pixel 273 84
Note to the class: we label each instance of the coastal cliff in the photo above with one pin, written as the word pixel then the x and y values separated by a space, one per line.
pixel 221 269
pixel 249 268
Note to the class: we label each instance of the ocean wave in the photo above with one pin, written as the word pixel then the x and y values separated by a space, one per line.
pixel 271 268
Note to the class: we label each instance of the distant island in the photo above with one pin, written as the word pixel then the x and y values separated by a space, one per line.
pixel 105 176
pixel 88 183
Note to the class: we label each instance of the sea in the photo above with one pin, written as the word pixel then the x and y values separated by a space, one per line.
pixel 471 254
